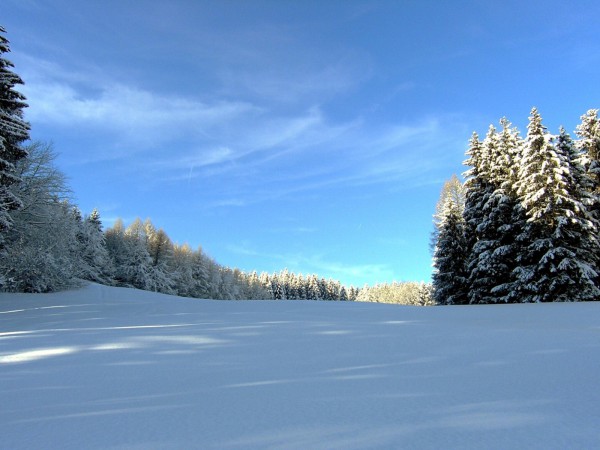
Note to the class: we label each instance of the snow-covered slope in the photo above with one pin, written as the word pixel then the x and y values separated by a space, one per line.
pixel 117 368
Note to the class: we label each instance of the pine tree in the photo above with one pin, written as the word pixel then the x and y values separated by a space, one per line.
pixel 493 254
pixel 343 294
pixel 94 261
pixel 589 158
pixel 160 249
pixel 13 132
pixel 574 256
pixel 449 276
pixel 181 265
pixel 266 286
pixel 201 275
pixel 129 253
pixel 589 144
pixel 477 191
pixel 312 290
pixel 482 273
pixel 555 265
pixel 451 188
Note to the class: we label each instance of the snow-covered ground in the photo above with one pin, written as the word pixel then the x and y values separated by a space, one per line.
pixel 104 367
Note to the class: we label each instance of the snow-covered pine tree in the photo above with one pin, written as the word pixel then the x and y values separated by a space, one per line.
pixel 588 132
pixel 160 249
pixel 493 254
pixel 266 286
pixel 575 255
pixel 343 294
pixel 333 289
pixel 534 198
pixel 276 287
pixel 323 293
pixel 555 264
pixel 312 289
pixel 129 252
pixel 94 261
pixel 449 276
pixel 201 275
pixel 181 266
pixel 589 158
pixel 13 132
pixel 475 187
pixel 228 289
pixel 256 291
pixel 452 187
pixel 479 187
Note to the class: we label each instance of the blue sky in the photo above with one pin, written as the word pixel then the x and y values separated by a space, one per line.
pixel 312 135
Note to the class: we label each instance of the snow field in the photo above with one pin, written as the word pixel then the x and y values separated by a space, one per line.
pixel 116 368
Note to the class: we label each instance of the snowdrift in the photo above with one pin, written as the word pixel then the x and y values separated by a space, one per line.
pixel 105 367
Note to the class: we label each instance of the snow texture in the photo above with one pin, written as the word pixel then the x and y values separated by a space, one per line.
pixel 119 368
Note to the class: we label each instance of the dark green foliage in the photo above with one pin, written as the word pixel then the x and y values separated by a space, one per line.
pixel 530 218
pixel 13 132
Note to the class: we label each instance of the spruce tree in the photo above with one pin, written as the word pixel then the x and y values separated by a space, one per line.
pixel 201 275
pixel 589 144
pixel 449 276
pixel 555 263
pixel 475 186
pixel 13 132
pixel 95 263
pixel 482 181
pixel 589 158
pixel 576 252
pixel 496 233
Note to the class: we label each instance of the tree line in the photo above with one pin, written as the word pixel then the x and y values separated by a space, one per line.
pixel 51 246
pixel 524 225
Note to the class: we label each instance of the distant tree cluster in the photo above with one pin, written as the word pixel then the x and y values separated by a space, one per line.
pixel 524 226
pixel 286 285
pixel 400 293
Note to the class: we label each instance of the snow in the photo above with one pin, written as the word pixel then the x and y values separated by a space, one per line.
pixel 118 368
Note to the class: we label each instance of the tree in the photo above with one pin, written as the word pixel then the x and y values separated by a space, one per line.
pixel 13 132
pixel 128 250
pixel 451 188
pixel 94 261
pixel 160 250
pixel 589 145
pixel 560 237
pixel 201 274
pixel 40 249
pixel 493 253
pixel 477 191
pixel 449 276
pixel 182 266
pixel 589 158
pixel 401 293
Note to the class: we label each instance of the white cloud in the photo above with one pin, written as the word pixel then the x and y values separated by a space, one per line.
pixel 131 111
pixel 291 150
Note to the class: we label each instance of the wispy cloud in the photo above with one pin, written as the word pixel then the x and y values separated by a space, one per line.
pixel 134 113
pixel 272 152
